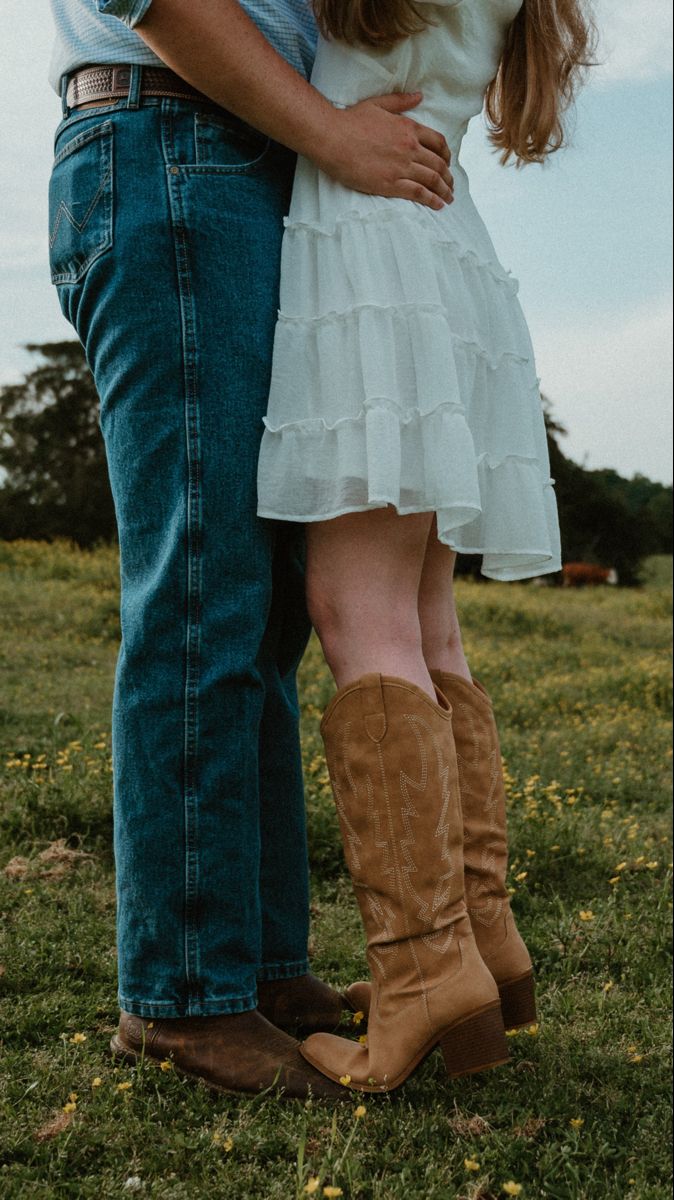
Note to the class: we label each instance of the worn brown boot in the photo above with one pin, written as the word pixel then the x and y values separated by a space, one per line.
pixel 392 763
pixel 241 1053
pixel 302 1005
pixel 485 846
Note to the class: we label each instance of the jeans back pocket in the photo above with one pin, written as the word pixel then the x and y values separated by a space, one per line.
pixel 80 203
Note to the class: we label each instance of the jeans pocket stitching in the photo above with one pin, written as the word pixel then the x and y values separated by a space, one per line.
pixel 201 142
pixel 102 196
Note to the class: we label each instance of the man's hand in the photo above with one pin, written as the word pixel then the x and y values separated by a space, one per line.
pixel 374 148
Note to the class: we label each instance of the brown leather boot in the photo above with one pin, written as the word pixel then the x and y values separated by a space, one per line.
pixel 485 846
pixel 302 1005
pixel 392 763
pixel 241 1053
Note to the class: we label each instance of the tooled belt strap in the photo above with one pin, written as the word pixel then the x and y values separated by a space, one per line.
pixel 113 82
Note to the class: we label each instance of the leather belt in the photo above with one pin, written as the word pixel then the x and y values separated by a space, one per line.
pixel 113 83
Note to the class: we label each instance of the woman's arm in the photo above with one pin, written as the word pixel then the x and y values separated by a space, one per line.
pixel 372 147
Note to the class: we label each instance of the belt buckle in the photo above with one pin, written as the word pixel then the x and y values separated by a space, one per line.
pixel 121 79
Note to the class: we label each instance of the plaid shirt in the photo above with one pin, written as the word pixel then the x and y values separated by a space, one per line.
pixel 102 31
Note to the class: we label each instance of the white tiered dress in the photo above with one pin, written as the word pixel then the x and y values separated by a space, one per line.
pixel 403 368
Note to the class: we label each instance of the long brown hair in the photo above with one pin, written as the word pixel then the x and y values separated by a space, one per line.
pixel 548 47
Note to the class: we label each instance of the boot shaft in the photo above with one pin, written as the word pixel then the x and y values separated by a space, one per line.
pixel 393 768
pixel 482 793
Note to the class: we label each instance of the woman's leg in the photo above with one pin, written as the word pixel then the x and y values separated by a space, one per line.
pixel 363 576
pixel 392 762
pixel 438 619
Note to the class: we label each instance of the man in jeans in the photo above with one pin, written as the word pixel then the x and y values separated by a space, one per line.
pixel 172 176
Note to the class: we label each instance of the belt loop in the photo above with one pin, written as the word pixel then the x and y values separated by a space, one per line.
pixel 135 87
pixel 64 96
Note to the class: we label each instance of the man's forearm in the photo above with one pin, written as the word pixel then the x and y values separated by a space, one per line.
pixel 372 147
pixel 215 46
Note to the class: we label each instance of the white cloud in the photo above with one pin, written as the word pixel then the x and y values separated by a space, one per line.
pixel 636 40
pixel 609 379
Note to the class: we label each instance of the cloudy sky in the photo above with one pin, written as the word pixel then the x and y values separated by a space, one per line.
pixel 588 235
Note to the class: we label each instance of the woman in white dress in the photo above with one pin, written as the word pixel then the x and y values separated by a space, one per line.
pixel 405 427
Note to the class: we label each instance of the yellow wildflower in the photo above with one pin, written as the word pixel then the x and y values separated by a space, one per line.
pixel 70 1107
pixel 360 1111
pixel 228 1145
pixel 471 1164
pixel 615 879
pixel 511 1188
pixel 577 1122
pixel 652 866
pixel 166 1065
pixel 332 1192
pixel 608 986
pixel 312 1185
pixel 72 1097
pixel 97 1082
pixel 586 914
pixel 78 1038
pixel 637 1058
pixel 521 877
pixel 363 1039
pixel 621 866
pixel 532 1030
pixel 124 1087
pixel 358 1018
pixel 345 1080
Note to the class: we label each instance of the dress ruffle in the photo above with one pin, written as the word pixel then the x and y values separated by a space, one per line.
pixel 404 375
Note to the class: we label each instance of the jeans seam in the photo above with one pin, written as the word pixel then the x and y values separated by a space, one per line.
pixel 193 606
pixel 269 972
pixel 158 1008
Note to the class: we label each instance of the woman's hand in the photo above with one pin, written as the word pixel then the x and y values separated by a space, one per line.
pixel 373 147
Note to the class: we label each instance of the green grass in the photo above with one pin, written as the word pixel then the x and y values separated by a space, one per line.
pixel 582 684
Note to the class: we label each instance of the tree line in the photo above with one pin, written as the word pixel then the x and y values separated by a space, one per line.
pixel 54 480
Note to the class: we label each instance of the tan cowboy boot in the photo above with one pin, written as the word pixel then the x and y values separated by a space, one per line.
pixel 392 764
pixel 485 846
pixel 485 852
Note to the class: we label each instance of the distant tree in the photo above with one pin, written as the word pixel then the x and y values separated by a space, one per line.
pixel 602 518
pixel 660 511
pixel 52 462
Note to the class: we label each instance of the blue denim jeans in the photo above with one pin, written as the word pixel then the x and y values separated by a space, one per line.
pixel 166 220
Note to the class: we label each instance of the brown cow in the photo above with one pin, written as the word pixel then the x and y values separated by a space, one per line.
pixel 580 574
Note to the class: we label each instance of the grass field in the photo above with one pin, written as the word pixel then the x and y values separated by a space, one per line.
pixel 582 684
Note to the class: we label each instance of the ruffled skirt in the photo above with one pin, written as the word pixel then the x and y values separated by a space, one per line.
pixel 404 375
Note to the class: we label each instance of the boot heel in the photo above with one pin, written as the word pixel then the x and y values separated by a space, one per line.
pixel 518 1002
pixel 475 1044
